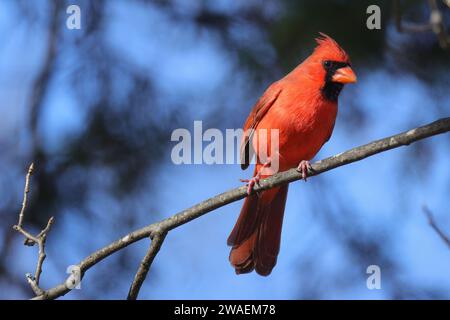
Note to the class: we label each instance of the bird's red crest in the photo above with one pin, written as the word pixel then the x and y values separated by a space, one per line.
pixel 327 46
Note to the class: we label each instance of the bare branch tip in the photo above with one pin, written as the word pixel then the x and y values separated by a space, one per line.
pixel 31 169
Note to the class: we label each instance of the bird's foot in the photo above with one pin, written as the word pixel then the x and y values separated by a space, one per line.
pixel 303 167
pixel 255 180
pixel 251 183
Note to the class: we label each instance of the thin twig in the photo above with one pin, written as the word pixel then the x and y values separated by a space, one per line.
pixel 141 274
pixel 183 217
pixel 435 227
pixel 435 23
pixel 42 236
pixel 407 27
pixel 34 286
pixel 25 194
pixel 31 240
pixel 438 25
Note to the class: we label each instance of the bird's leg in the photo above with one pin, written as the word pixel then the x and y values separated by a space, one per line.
pixel 255 180
pixel 303 167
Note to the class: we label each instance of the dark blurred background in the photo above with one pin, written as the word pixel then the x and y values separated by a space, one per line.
pixel 95 108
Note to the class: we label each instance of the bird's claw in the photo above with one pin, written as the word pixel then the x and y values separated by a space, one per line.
pixel 251 183
pixel 303 167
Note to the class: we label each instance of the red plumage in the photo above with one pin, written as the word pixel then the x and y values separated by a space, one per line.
pixel 303 107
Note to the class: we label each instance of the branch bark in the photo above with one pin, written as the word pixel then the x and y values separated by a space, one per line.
pixel 435 23
pixel 31 240
pixel 435 227
pixel 141 274
pixel 183 217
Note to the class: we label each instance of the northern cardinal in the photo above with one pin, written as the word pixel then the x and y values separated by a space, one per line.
pixel 303 107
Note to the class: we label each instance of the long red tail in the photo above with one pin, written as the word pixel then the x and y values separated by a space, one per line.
pixel 255 238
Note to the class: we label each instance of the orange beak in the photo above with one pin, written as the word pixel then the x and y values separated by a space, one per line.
pixel 344 75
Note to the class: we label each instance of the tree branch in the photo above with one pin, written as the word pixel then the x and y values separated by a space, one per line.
pixel 435 23
pixel 435 227
pixel 141 274
pixel 164 226
pixel 407 27
pixel 26 191
pixel 31 240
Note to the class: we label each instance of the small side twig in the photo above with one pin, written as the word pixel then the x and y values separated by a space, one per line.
pixel 438 25
pixel 31 240
pixel 407 27
pixel 435 227
pixel 25 195
pixel 141 274
pixel 435 24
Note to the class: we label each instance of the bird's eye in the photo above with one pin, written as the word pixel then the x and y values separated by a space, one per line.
pixel 327 64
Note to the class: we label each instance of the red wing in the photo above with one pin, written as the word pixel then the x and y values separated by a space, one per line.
pixel 258 112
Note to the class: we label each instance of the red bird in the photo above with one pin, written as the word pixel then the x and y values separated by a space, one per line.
pixel 302 107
